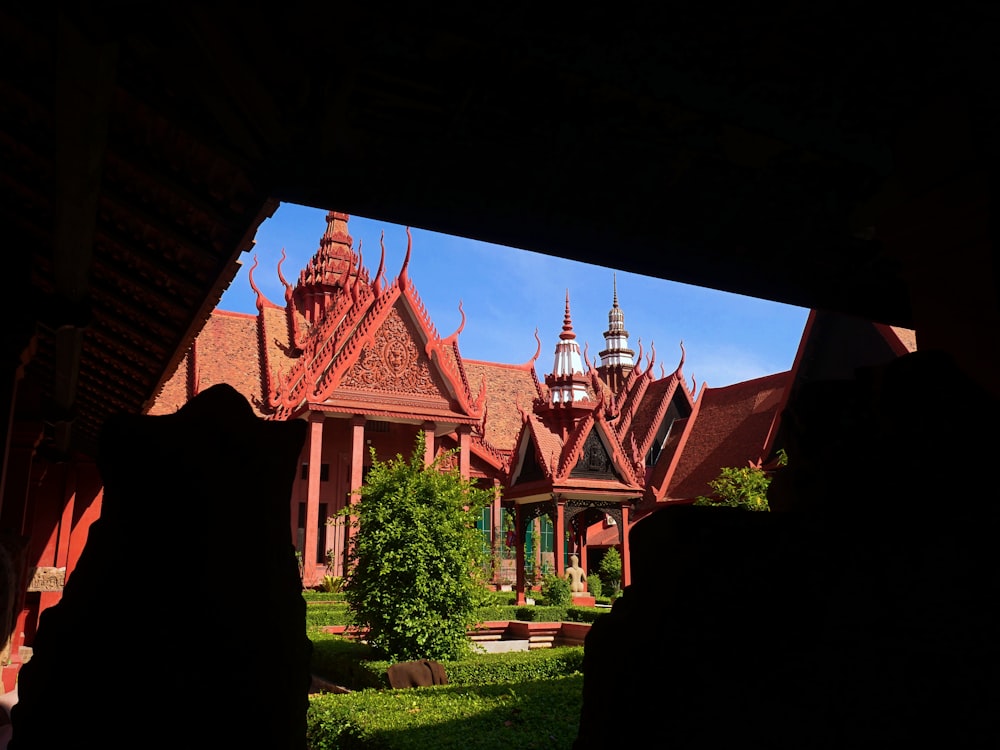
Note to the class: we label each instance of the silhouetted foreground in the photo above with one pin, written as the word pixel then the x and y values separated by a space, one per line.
pixel 183 624
pixel 860 612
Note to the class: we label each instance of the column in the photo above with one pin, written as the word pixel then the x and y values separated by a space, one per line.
pixel 497 540
pixel 519 558
pixel 357 477
pixel 464 441
pixel 310 537
pixel 626 555
pixel 559 534
pixel 428 428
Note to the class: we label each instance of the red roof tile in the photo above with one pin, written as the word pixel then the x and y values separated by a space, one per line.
pixel 731 429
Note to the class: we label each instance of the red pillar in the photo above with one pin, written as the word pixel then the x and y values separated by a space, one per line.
pixel 312 499
pixel 464 441
pixel 626 555
pixel 520 584
pixel 66 522
pixel 496 538
pixel 428 428
pixel 358 447
pixel 560 535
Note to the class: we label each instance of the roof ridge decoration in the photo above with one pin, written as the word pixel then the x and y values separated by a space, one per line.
pixel 253 285
pixel 528 431
pixel 265 366
pixel 574 443
pixel 380 273
pixel 661 409
pixel 631 464
pixel 333 346
pixel 295 332
pixel 605 396
pixel 629 398
pixel 636 371
pixel 501 458
pixel 435 346
pixel 291 392
pixel 356 336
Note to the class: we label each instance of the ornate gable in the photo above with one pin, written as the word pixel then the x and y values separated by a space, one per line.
pixel 531 470
pixel 370 347
pixel 393 361
pixel 594 461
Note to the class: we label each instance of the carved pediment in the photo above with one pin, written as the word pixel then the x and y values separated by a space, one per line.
pixel 393 361
pixel 595 461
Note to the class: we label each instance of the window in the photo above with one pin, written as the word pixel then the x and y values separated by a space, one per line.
pixel 485 527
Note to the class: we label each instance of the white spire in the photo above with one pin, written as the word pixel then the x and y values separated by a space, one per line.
pixel 616 350
pixel 568 363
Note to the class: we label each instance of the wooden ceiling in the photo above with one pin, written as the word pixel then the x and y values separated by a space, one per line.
pixel 759 155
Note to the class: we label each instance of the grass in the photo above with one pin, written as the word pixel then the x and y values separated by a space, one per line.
pixel 540 710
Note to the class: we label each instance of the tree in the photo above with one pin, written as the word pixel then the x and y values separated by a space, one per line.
pixel 742 487
pixel 610 571
pixel 415 575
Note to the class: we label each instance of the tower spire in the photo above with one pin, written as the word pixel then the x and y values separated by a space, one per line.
pixel 567 382
pixel 617 359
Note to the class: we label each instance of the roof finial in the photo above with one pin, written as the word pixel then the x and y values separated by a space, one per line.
pixel 260 296
pixel 567 329
pixel 614 284
pixel 404 278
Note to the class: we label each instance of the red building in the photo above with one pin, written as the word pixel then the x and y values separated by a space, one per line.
pixel 575 458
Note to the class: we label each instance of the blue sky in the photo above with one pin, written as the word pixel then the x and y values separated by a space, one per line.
pixel 506 294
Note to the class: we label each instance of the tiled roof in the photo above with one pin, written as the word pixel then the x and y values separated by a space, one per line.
pixel 646 411
pixel 731 429
pixel 227 352
pixel 548 442
pixel 506 387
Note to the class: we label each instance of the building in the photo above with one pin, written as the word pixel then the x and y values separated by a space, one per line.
pixel 575 457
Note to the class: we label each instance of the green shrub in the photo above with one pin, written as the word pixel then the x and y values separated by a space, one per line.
pixel 357 666
pixel 331 584
pixel 594 585
pixel 327 613
pixel 541 713
pixel 610 571
pixel 555 590
pixel 415 572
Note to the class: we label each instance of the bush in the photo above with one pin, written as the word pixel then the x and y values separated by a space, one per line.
pixel 555 590
pixel 535 713
pixel 594 585
pixel 610 571
pixel 415 573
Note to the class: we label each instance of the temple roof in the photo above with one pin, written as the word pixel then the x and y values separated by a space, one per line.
pixel 346 342
pixel 733 427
